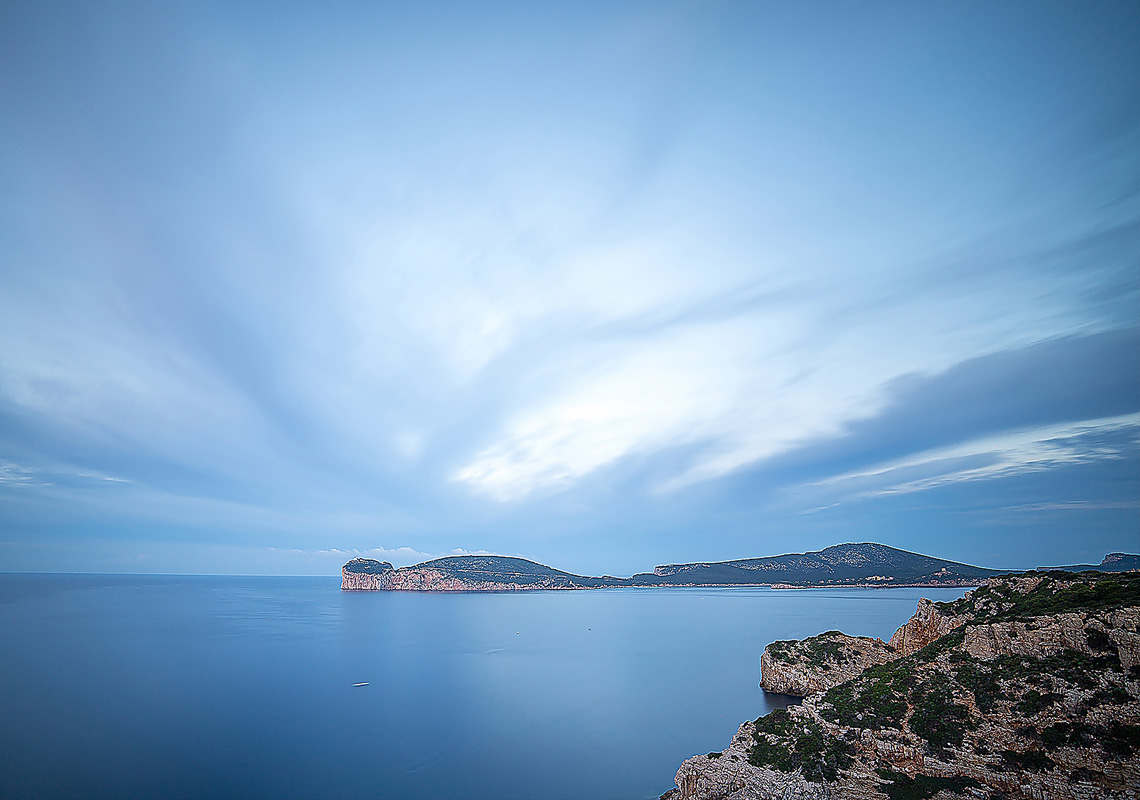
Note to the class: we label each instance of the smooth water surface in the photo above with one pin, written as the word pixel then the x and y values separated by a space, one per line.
pixel 210 687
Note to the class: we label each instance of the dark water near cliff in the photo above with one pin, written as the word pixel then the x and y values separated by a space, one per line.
pixel 211 687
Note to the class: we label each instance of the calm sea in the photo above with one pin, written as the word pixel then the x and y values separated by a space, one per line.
pixel 211 687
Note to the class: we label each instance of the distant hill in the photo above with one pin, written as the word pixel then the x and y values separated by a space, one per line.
pixel 464 573
pixel 1113 562
pixel 839 565
pixel 865 564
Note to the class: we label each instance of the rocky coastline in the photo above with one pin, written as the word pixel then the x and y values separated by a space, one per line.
pixel 1028 688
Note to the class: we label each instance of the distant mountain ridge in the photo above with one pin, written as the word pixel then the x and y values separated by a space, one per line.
pixel 859 564
pixel 1113 562
pixel 838 565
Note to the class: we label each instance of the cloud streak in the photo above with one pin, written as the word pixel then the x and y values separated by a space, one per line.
pixel 1012 453
pixel 570 273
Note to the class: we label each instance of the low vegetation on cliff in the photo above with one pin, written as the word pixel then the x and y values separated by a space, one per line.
pixel 1039 593
pixel 1034 692
pixel 785 743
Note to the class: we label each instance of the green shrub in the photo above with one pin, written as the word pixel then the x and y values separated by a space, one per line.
pixel 936 717
pixel 980 678
pixel 1034 760
pixel 1034 701
pixel 1117 739
pixel 1092 591
pixel 920 787
pixel 1113 696
pixel 875 700
pixel 1122 740
pixel 785 744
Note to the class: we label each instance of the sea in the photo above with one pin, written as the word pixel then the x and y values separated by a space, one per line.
pixel 284 687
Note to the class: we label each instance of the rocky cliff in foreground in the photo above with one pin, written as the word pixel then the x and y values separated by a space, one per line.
pixel 1029 687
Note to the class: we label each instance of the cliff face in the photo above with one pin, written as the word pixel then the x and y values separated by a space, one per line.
pixel 365 574
pixel 814 665
pixel 1035 693
pixel 927 625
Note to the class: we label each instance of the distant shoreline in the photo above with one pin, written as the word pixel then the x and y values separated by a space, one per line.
pixel 651 586
pixel 864 565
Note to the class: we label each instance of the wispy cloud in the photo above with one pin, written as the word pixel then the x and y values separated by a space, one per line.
pixel 1020 452
pixel 13 474
pixel 338 305
pixel 1074 505
pixel 757 382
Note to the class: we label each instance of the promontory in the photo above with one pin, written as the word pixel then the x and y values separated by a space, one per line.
pixel 863 564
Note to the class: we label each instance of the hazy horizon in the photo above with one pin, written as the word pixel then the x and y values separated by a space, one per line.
pixel 602 286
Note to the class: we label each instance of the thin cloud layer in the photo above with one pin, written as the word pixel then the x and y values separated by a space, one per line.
pixel 1020 452
pixel 517 280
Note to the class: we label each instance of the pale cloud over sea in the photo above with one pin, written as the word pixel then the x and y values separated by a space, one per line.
pixel 607 289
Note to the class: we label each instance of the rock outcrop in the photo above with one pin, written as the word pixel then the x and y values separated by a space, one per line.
pixel 802 668
pixel 365 574
pixel 1033 693
pixel 927 625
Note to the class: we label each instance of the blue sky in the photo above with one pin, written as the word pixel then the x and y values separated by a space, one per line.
pixel 603 285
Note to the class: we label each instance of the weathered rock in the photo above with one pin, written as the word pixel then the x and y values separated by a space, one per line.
pixel 1018 704
pixel 927 624
pixel 365 574
pixel 1041 636
pixel 806 667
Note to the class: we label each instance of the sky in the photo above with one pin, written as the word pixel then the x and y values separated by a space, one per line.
pixel 604 285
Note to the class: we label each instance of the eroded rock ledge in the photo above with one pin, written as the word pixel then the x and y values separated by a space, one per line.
pixel 806 667
pixel 1029 687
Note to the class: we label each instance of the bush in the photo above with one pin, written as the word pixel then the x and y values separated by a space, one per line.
pixel 920 787
pixel 937 718
pixel 784 744
pixel 980 678
pixel 875 700
pixel 1033 701
pixel 1033 760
